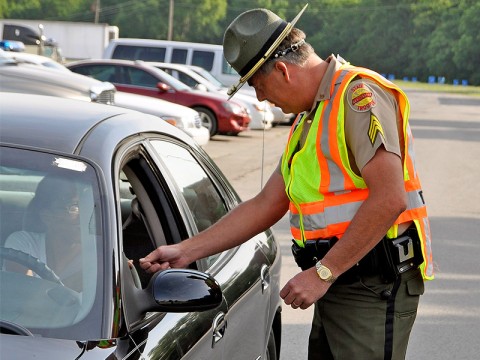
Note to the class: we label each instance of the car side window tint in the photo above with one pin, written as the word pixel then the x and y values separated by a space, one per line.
pixel 203 59
pixel 140 77
pixel 186 79
pixel 179 56
pixel 146 53
pixel 227 69
pixel 197 188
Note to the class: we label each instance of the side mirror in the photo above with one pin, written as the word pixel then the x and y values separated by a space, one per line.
pixel 184 290
pixel 163 87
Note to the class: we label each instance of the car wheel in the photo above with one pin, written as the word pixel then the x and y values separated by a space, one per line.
pixel 208 119
pixel 271 347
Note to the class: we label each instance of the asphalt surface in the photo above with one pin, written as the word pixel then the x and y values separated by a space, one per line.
pixel 447 140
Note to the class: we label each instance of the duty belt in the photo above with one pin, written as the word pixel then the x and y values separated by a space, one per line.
pixel 389 258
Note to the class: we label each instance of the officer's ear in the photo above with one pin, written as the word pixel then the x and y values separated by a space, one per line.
pixel 283 68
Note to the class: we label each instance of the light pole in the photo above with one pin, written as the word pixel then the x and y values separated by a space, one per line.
pixel 97 11
pixel 170 20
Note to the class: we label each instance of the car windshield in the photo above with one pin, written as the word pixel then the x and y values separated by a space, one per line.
pixel 49 242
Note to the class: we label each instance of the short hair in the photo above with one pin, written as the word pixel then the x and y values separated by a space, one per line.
pixel 298 57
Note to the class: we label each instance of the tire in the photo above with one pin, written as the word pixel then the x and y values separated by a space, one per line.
pixel 271 353
pixel 208 119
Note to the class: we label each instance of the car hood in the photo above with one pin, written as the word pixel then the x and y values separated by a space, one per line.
pixel 35 73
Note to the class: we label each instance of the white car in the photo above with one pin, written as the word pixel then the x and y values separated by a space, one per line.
pixel 260 111
pixel 180 116
pixel 279 117
pixel 23 57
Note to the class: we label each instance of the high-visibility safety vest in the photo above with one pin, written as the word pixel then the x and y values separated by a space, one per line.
pixel 324 192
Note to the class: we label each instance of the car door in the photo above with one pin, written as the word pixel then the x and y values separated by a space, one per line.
pixel 243 272
pixel 148 218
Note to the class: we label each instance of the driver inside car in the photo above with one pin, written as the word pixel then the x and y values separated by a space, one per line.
pixel 51 231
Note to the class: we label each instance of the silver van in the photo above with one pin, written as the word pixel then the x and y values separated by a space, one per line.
pixel 207 56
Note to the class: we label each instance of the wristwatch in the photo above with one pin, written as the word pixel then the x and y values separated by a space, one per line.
pixel 324 273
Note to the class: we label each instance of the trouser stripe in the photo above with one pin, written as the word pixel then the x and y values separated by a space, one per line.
pixel 389 319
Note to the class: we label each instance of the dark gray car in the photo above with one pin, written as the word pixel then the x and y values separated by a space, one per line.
pixel 85 191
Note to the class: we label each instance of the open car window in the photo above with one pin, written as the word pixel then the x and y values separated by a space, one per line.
pixel 202 197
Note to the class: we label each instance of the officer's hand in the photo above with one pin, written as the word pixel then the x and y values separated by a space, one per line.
pixel 304 289
pixel 162 258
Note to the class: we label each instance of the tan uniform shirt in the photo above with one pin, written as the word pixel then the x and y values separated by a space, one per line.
pixel 381 110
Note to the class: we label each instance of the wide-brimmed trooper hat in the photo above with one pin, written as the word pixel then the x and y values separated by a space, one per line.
pixel 251 39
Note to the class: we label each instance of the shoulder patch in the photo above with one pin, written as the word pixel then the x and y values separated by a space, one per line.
pixel 361 98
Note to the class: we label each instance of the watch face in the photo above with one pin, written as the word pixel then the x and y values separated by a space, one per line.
pixel 324 273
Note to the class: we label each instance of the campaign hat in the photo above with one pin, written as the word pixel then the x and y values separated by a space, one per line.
pixel 251 39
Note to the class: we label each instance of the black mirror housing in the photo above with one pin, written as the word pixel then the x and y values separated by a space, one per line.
pixel 184 290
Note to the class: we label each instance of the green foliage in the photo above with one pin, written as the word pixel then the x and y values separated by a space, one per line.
pixel 408 38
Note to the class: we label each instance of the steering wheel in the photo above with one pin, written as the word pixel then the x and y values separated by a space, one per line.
pixel 30 262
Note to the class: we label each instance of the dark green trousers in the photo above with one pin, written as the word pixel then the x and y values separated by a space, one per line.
pixel 366 320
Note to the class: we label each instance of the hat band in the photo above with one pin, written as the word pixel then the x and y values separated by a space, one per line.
pixel 244 71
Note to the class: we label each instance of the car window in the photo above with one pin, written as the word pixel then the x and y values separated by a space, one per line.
pixel 198 190
pixel 148 218
pixel 179 56
pixel 51 241
pixel 140 77
pixel 227 69
pixel 186 79
pixel 99 72
pixel 132 52
pixel 203 59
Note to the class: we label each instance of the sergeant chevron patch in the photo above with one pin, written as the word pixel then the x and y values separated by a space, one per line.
pixel 374 128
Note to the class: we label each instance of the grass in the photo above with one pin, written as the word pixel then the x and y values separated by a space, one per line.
pixel 446 88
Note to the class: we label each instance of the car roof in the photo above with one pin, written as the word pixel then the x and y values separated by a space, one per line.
pixel 35 59
pixel 63 125
pixel 47 75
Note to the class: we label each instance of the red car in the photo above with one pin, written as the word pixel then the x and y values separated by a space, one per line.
pixel 217 114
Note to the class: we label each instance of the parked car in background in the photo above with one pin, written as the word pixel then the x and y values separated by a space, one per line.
pixel 218 114
pixel 260 111
pixel 39 78
pixel 279 117
pixel 34 59
pixel 182 117
pixel 111 185
pixel 20 77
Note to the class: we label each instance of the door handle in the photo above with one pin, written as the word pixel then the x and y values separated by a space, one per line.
pixel 219 328
pixel 265 277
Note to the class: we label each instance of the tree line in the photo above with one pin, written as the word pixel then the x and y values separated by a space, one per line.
pixel 417 39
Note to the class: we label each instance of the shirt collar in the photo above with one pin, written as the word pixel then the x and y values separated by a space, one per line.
pixel 323 93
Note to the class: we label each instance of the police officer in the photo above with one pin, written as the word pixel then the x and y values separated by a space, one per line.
pixel 348 178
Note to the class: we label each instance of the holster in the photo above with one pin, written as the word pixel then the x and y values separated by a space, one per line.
pixel 313 251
